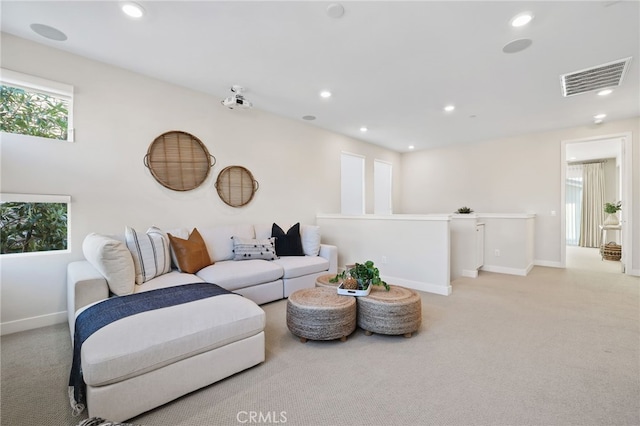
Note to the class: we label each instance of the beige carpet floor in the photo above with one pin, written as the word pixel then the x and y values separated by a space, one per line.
pixel 558 347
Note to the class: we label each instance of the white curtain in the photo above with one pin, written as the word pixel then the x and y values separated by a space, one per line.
pixel 573 203
pixel 592 204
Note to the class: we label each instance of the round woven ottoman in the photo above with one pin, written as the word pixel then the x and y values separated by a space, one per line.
pixel 323 281
pixel 320 314
pixel 397 311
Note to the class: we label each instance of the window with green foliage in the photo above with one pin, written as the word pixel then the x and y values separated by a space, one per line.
pixel 33 226
pixel 34 106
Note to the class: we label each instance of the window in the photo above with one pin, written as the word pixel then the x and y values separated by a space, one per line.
pixel 352 184
pixel 382 187
pixel 36 107
pixel 33 223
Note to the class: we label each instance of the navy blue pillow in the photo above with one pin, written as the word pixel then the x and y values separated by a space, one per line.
pixel 288 244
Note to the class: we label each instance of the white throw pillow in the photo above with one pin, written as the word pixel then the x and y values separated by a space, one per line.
pixel 249 248
pixel 113 260
pixel 150 252
pixel 310 237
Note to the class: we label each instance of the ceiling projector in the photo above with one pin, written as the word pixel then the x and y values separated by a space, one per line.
pixel 237 100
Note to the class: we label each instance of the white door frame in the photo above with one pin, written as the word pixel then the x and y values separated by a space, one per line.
pixel 626 162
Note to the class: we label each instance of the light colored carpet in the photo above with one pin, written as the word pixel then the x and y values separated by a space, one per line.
pixel 558 347
pixel 589 259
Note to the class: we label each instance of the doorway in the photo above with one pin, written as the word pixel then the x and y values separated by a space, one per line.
pixel 616 151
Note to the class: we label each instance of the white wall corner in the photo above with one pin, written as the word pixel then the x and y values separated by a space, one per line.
pixel 470 273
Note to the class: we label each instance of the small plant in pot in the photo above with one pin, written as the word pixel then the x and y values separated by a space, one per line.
pixel 360 276
pixel 464 210
pixel 612 209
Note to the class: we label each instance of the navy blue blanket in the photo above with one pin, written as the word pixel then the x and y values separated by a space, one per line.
pixel 101 314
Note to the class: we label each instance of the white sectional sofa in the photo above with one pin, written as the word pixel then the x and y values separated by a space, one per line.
pixel 138 363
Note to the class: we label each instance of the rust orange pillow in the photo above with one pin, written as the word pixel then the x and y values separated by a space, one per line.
pixel 191 254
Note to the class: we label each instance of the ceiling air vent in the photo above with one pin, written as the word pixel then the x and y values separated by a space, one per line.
pixel 600 77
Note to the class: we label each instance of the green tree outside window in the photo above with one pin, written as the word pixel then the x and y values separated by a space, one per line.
pixel 31 113
pixel 32 227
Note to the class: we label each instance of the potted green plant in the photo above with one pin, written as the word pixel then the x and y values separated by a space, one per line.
pixel 464 210
pixel 364 273
pixel 612 209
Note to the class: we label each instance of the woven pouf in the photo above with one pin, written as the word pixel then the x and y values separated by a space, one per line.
pixel 323 281
pixel 397 311
pixel 320 314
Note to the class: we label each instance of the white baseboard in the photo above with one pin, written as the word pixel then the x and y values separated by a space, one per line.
pixel 509 271
pixel 634 272
pixel 548 263
pixel 444 290
pixel 470 273
pixel 25 324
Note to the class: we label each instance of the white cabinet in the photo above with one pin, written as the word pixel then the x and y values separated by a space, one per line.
pixel 479 245
pixel 464 246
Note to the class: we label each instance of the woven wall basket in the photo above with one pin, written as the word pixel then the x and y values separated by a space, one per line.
pixel 179 160
pixel 236 186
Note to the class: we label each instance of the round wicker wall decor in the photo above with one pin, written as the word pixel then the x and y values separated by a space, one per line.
pixel 179 161
pixel 236 186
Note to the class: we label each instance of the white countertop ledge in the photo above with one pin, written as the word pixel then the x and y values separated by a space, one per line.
pixel 427 217
pixel 414 217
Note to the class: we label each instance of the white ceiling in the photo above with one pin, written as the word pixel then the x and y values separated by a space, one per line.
pixel 391 66
pixel 594 150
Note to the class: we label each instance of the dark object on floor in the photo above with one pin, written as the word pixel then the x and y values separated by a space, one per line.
pixel 97 421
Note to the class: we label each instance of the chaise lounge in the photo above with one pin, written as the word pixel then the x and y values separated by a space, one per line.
pixel 149 358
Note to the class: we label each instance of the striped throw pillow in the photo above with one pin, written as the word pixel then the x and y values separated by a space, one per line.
pixel 150 252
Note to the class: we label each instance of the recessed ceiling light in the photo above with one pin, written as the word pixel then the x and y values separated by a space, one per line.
pixel 133 10
pixel 325 94
pixel 363 129
pixel 605 92
pixel 599 116
pixel 411 147
pixel 309 117
pixel 449 108
pixel 521 19
pixel 48 32
pixel 597 121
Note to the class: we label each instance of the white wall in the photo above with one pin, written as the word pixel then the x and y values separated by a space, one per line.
pixel 117 116
pixel 409 250
pixel 611 185
pixel 513 175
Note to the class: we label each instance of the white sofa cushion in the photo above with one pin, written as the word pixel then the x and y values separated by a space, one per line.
pixel 113 260
pixel 263 230
pixel 219 240
pixel 310 237
pixel 297 266
pixel 233 275
pixel 150 252
pixel 150 340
